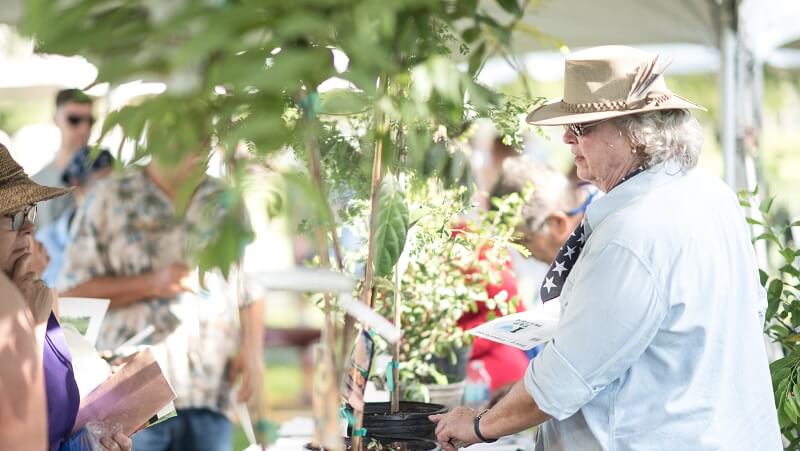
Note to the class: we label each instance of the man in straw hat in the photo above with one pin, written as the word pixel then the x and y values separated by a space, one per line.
pixel 660 343
pixel 18 198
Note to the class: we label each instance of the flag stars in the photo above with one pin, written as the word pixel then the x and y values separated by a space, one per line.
pixel 570 252
pixel 548 284
pixel 559 268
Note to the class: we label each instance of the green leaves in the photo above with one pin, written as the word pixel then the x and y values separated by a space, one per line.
pixel 511 7
pixel 783 311
pixel 785 381
pixel 227 236
pixel 392 226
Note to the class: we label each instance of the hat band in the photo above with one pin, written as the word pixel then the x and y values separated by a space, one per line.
pixel 615 105
pixel 12 175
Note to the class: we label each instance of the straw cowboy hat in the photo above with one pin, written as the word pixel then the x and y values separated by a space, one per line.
pixel 17 190
pixel 609 81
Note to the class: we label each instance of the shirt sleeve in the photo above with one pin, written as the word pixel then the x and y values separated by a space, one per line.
pixel 610 317
pixel 85 256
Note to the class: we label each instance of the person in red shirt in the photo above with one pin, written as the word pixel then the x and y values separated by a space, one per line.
pixel 505 364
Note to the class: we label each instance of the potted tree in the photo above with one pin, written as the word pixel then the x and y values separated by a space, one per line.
pixel 447 262
pixel 249 78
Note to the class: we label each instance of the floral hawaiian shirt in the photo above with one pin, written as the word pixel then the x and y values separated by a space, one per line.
pixel 128 227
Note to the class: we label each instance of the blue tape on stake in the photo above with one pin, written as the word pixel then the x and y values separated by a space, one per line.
pixel 390 374
pixel 311 104
pixel 360 432
pixel 347 415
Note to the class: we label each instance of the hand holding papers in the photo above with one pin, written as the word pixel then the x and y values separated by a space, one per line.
pixel 128 399
pixel 523 330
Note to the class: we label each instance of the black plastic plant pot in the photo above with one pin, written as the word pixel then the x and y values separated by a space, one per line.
pixel 310 447
pixel 410 423
pixel 390 444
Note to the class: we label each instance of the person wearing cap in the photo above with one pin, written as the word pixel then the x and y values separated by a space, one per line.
pixel 83 171
pixel 660 343
pixel 553 208
pixel 18 198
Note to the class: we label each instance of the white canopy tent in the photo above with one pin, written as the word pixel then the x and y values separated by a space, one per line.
pixel 734 37
pixel 743 34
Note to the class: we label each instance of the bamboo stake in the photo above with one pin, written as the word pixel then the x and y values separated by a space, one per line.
pixel 320 238
pixel 373 213
pixel 396 350
pixel 368 293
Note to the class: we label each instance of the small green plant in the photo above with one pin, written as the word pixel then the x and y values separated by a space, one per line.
pixel 448 261
pixel 783 312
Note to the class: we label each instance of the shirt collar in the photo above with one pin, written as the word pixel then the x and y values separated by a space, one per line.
pixel 629 191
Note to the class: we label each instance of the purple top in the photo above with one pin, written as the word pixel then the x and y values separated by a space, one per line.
pixel 63 398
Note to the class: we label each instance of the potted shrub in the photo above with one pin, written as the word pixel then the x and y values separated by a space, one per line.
pixel 447 262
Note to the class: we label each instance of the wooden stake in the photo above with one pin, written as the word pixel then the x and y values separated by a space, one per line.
pixel 321 241
pixel 377 164
pixel 368 292
pixel 396 350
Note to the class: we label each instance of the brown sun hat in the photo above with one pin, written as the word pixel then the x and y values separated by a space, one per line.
pixel 610 81
pixel 17 190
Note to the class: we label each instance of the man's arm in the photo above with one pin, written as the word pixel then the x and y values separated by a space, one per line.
pixel 23 419
pixel 248 363
pixel 516 412
pixel 166 282
pixel 121 291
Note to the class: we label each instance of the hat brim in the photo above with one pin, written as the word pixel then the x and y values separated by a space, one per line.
pixel 554 113
pixel 19 195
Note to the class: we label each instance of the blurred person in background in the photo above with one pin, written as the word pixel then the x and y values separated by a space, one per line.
pixel 552 210
pixel 131 245
pixel 74 118
pixel 19 196
pixel 82 172
pixel 487 169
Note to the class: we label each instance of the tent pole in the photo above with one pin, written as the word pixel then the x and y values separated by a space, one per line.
pixel 728 94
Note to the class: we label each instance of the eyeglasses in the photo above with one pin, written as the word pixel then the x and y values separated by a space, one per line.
pixel 580 130
pixel 75 120
pixel 18 218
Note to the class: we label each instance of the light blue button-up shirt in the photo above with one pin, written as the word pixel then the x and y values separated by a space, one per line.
pixel 660 343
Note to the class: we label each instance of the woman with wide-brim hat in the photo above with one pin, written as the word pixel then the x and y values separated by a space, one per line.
pixel 660 342
pixel 18 198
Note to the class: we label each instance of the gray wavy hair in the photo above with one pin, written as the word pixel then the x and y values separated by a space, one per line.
pixel 664 135
pixel 551 190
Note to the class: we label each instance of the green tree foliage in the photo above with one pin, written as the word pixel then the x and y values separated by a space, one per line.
pixel 248 71
pixel 783 313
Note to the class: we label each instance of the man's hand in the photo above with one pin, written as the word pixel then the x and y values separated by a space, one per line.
pixel 251 371
pixel 455 429
pixel 36 293
pixel 170 281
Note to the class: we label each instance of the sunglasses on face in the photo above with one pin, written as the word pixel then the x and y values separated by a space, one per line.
pixel 18 218
pixel 582 129
pixel 75 120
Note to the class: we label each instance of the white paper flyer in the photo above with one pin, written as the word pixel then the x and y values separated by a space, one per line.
pixel 522 330
pixel 85 315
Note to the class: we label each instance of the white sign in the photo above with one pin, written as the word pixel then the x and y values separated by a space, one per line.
pixel 523 330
